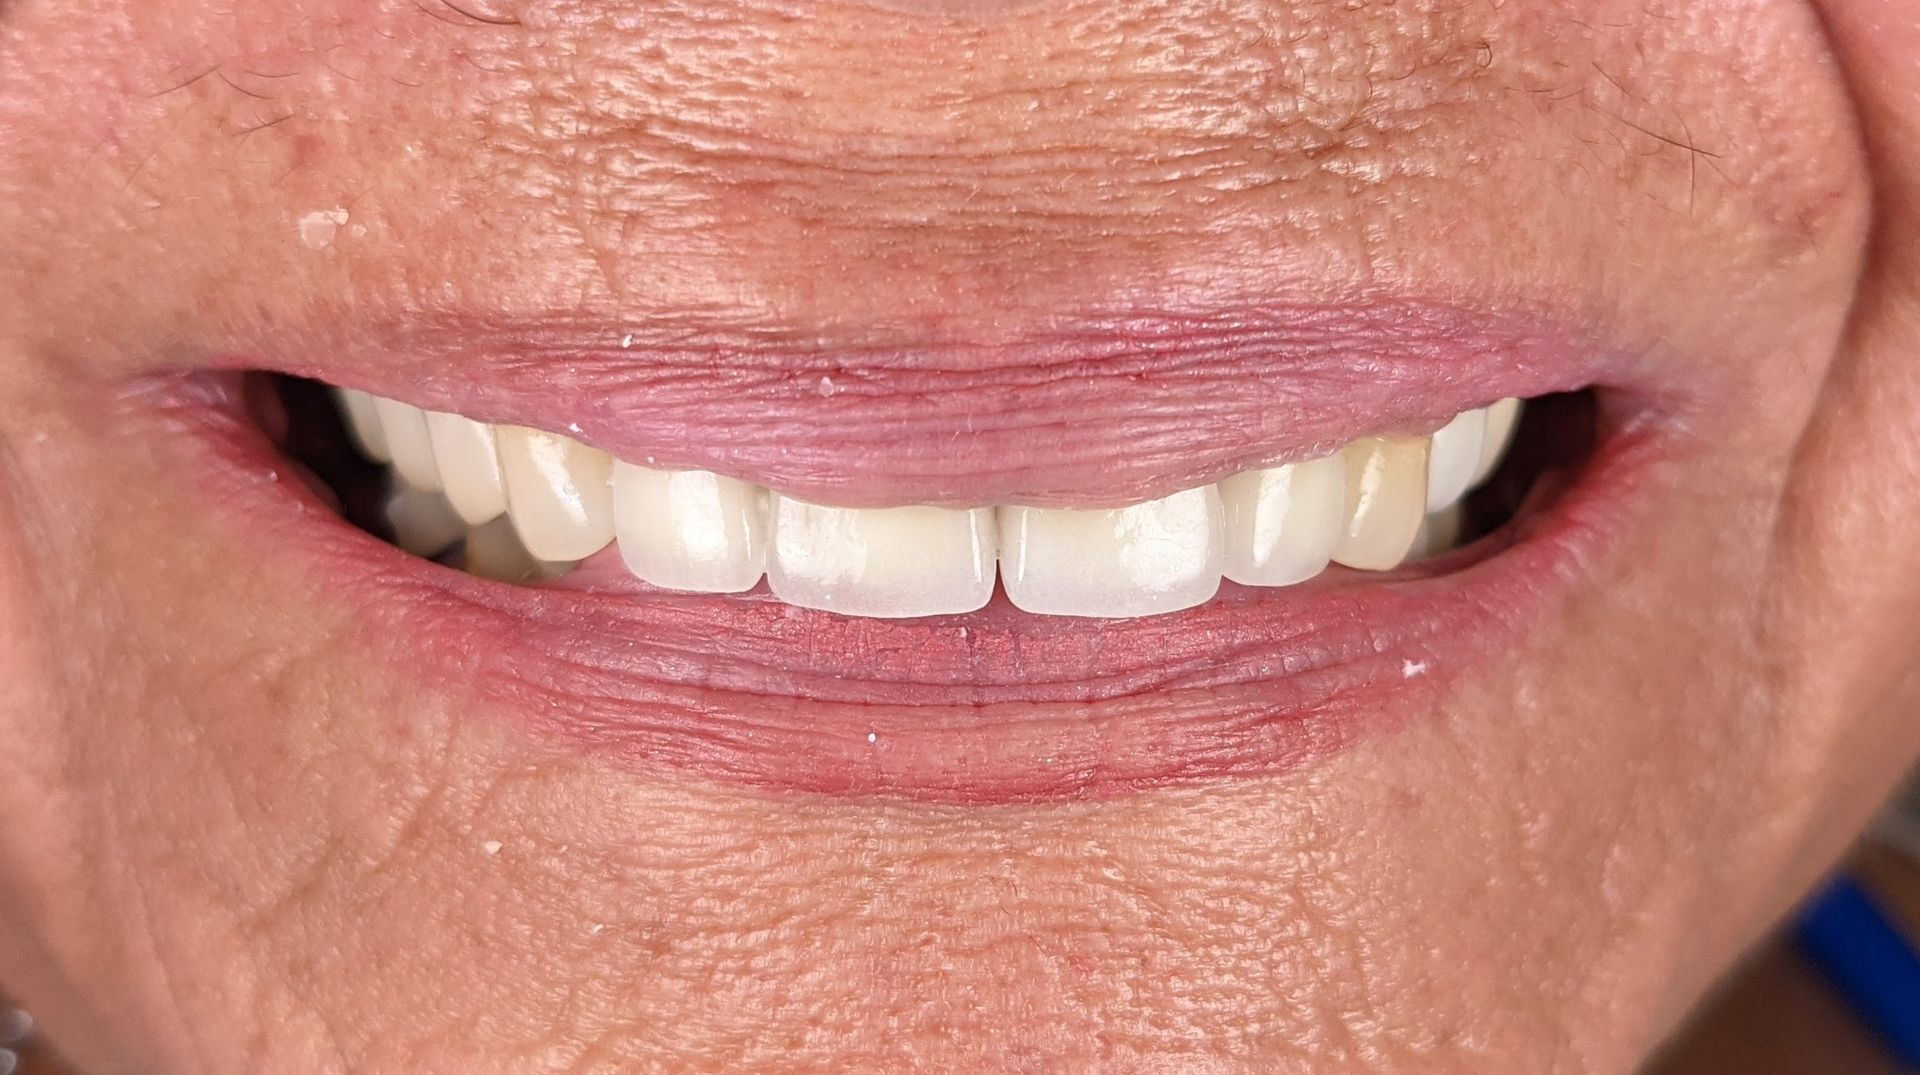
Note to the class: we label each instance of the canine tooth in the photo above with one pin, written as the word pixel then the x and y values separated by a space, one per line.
pixel 469 466
pixel 406 430
pixel 363 424
pixel 423 523
pixel 1502 418
pixel 1386 492
pixel 690 529
pixel 558 493
pixel 884 562
pixel 1282 522
pixel 1455 459
pixel 1150 558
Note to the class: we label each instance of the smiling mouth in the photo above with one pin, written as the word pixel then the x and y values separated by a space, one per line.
pixel 517 505
pixel 951 595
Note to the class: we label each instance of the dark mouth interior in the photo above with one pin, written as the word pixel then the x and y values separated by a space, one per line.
pixel 316 438
pixel 1556 437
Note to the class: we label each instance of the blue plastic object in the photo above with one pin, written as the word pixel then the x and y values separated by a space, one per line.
pixel 1853 943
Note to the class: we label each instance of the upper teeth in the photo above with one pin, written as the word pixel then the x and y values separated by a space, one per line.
pixel 1366 506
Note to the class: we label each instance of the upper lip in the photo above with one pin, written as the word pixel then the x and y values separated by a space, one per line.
pixel 1086 411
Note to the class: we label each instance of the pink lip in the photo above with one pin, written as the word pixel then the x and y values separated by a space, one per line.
pixel 998 705
pixel 1086 410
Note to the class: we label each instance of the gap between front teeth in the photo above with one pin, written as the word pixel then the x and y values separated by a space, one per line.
pixel 527 503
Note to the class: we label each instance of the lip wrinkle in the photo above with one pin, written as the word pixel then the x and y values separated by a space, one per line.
pixel 1017 708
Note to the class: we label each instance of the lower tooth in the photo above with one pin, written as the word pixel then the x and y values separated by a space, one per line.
pixel 1439 533
pixel 423 523
pixel 883 562
pixel 1386 498
pixel 1150 558
pixel 558 493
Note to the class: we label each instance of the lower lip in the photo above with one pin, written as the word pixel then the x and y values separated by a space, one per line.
pixel 991 707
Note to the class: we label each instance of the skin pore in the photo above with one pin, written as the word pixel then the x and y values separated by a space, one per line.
pixel 243 832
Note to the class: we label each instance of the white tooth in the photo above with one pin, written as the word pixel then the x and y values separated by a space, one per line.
pixel 885 562
pixel 494 551
pixel 1502 417
pixel 1283 522
pixel 406 430
pixel 690 529
pixel 1150 558
pixel 469 466
pixel 423 523
pixel 363 424
pixel 558 493
pixel 1386 490
pixel 1455 459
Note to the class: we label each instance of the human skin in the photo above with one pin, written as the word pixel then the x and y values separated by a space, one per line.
pixel 245 833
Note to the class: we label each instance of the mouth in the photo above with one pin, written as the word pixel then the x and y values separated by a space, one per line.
pixel 518 504
pixel 960 573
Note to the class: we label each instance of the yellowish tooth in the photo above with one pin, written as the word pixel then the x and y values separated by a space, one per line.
pixel 559 493
pixel 411 445
pixel 1386 501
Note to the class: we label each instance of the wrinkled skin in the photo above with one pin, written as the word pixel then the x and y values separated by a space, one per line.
pixel 241 835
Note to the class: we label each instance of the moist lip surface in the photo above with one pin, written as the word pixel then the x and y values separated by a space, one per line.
pixel 996 705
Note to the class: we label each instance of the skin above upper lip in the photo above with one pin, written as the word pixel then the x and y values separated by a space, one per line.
pixel 992 706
